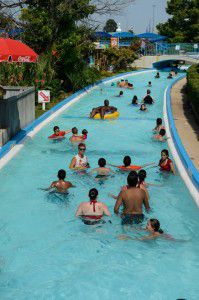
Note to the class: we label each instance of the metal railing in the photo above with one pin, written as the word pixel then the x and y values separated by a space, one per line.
pixel 171 49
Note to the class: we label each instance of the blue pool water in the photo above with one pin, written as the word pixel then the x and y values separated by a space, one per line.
pixel 46 253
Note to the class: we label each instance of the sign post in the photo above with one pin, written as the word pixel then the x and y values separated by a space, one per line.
pixel 43 97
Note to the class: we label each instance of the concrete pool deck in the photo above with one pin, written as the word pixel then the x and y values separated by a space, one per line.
pixel 185 123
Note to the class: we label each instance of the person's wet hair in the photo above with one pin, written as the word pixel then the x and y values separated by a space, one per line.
pixel 55 128
pixel 155 224
pixel 142 175
pixel 74 130
pixel 127 161
pixel 165 151
pixel 102 162
pixel 61 174
pixel 148 92
pixel 135 99
pixel 162 132
pixel 81 145
pixel 121 93
pixel 132 179
pixel 93 193
pixel 106 102
pixel 84 131
pixel 130 84
pixel 149 82
pixel 159 121
pixel 122 80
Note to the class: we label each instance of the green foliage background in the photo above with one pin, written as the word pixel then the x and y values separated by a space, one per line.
pixel 193 88
pixel 183 25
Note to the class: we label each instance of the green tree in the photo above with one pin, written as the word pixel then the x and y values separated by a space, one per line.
pixel 183 26
pixel 110 26
pixel 53 27
pixel 120 58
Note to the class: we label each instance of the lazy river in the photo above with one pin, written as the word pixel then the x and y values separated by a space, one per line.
pixel 46 253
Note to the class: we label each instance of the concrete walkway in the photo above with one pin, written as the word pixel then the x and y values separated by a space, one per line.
pixel 186 125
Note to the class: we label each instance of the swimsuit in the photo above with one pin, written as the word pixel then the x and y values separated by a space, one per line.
pixel 132 219
pixel 92 219
pixel 60 134
pixel 81 161
pixel 84 136
pixel 166 167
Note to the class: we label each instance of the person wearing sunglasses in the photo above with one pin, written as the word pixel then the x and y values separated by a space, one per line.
pixel 80 161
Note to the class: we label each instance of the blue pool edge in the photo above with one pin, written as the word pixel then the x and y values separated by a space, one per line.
pixel 188 165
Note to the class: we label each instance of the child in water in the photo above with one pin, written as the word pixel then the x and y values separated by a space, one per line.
pixel 135 100
pixel 157 75
pixel 161 136
pixel 158 126
pixel 120 94
pixel 154 230
pixel 143 107
pixel 102 171
pixel 149 84
pixel 166 163
pixel 84 134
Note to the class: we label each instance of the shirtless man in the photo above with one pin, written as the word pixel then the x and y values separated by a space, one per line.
pixel 92 211
pixel 80 161
pixel 102 110
pixel 132 199
pixel 61 186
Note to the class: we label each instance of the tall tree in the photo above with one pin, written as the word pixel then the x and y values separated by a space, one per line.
pixel 110 26
pixel 183 26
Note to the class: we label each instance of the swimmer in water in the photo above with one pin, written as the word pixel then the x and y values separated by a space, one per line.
pixel 121 83
pixel 157 75
pixel 80 161
pixel 127 165
pixel 161 136
pixel 91 212
pixel 170 76
pixel 148 99
pixel 135 100
pixel 159 125
pixel 149 84
pixel 61 186
pixel 84 134
pixel 58 134
pixel 143 108
pixel 166 163
pixel 154 230
pixel 75 138
pixel 132 201
pixel 102 171
pixel 120 94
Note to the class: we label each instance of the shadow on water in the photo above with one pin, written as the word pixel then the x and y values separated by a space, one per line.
pixel 59 198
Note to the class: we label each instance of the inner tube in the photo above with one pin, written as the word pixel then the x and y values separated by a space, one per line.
pixel 114 115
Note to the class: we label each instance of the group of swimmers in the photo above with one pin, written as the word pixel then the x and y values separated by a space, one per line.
pixel 132 197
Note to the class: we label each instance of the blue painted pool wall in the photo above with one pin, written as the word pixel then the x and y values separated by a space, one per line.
pixel 189 166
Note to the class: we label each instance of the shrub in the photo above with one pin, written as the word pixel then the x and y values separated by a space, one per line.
pixel 193 88
pixel 120 58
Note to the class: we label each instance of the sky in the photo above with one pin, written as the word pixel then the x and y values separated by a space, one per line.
pixel 139 15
